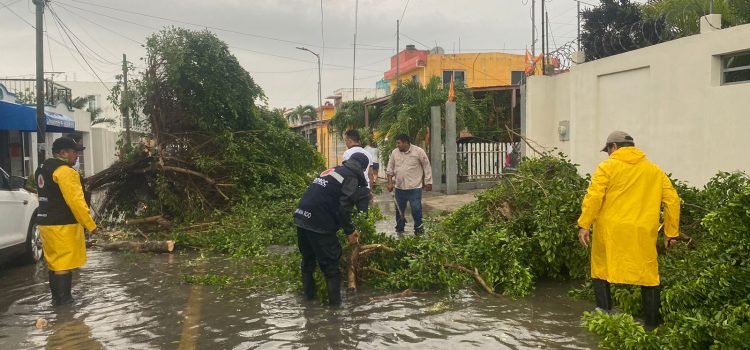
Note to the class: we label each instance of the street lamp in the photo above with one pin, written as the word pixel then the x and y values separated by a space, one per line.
pixel 320 97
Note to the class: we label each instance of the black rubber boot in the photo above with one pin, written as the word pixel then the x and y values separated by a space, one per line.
pixel 602 294
pixel 334 290
pixel 308 286
pixel 53 288
pixel 651 297
pixel 61 286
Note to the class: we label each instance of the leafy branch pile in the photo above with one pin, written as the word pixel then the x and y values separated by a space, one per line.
pixel 706 285
pixel 210 146
pixel 520 231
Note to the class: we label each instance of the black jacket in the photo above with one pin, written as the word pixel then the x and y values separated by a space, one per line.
pixel 327 204
pixel 52 207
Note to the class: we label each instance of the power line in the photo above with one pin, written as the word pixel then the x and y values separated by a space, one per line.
pixel 64 45
pixel 82 28
pixel 8 4
pixel 97 24
pixel 322 33
pixel 282 72
pixel 111 17
pixel 230 46
pixel 101 59
pixel 205 26
pixel 370 76
pixel 54 15
pixel 404 12
pixel 48 37
pixel 49 47
pixel 415 40
pixel 16 14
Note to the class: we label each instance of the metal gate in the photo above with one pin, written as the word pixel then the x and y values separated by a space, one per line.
pixel 479 161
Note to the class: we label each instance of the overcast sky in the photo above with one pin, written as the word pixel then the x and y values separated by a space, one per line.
pixel 263 35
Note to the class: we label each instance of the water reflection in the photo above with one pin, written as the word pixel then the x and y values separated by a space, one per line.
pixel 70 332
pixel 140 301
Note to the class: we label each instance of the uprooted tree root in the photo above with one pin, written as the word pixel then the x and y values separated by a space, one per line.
pixel 207 146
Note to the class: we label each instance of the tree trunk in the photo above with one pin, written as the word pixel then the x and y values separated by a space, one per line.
pixel 158 220
pixel 138 247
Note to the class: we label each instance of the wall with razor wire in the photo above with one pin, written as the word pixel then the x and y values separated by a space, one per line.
pixel 671 97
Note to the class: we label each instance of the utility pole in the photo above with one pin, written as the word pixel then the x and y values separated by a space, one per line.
pixel 398 48
pixel 40 120
pixel 354 63
pixel 546 20
pixel 533 28
pixel 544 30
pixel 578 37
pixel 125 100
pixel 320 97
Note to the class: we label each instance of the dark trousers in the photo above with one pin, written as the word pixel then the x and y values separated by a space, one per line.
pixel 414 198
pixel 321 248
pixel 650 297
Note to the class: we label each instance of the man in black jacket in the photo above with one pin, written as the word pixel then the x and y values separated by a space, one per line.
pixel 325 207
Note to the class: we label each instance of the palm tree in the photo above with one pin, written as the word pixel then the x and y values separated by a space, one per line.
pixel 409 111
pixel 85 103
pixel 301 114
pixel 349 115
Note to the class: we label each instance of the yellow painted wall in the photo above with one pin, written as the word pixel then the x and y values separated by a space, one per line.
pixel 329 144
pixel 480 69
pixel 328 112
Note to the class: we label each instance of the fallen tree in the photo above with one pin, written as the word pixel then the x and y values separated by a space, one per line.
pixel 208 144
pixel 139 247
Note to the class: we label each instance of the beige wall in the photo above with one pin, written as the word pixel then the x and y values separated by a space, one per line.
pixel 667 96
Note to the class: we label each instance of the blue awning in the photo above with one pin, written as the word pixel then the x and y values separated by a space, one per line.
pixel 19 117
pixel 14 116
pixel 59 122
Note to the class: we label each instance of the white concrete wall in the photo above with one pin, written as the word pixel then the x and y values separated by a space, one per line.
pixel 668 97
pixel 359 93
pixel 105 143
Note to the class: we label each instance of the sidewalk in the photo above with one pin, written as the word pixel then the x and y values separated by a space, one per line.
pixel 433 204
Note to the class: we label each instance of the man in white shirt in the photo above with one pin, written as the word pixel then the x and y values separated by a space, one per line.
pixel 352 139
pixel 372 148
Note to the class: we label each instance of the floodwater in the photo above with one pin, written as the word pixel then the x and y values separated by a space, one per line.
pixel 140 301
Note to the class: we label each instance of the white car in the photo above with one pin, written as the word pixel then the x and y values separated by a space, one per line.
pixel 19 234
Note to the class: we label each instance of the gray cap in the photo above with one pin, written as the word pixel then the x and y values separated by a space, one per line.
pixel 617 137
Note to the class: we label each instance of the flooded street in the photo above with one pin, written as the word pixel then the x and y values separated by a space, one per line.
pixel 140 301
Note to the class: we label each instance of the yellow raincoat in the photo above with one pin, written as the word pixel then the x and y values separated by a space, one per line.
pixel 65 245
pixel 623 203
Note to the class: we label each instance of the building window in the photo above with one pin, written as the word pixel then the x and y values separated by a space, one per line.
pixel 735 68
pixel 516 77
pixel 415 78
pixel 457 75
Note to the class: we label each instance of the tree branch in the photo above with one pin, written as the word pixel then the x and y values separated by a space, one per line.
pixel 474 274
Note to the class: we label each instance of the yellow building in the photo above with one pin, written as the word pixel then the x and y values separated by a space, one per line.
pixel 474 70
pixel 329 145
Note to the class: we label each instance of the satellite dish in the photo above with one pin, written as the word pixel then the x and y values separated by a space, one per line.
pixel 437 50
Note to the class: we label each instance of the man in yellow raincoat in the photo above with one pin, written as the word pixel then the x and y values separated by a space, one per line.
pixel 62 216
pixel 623 203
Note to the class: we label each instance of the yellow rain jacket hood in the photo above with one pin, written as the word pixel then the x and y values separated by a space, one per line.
pixel 623 204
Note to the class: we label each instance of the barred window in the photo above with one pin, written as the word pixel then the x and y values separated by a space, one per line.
pixel 735 68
